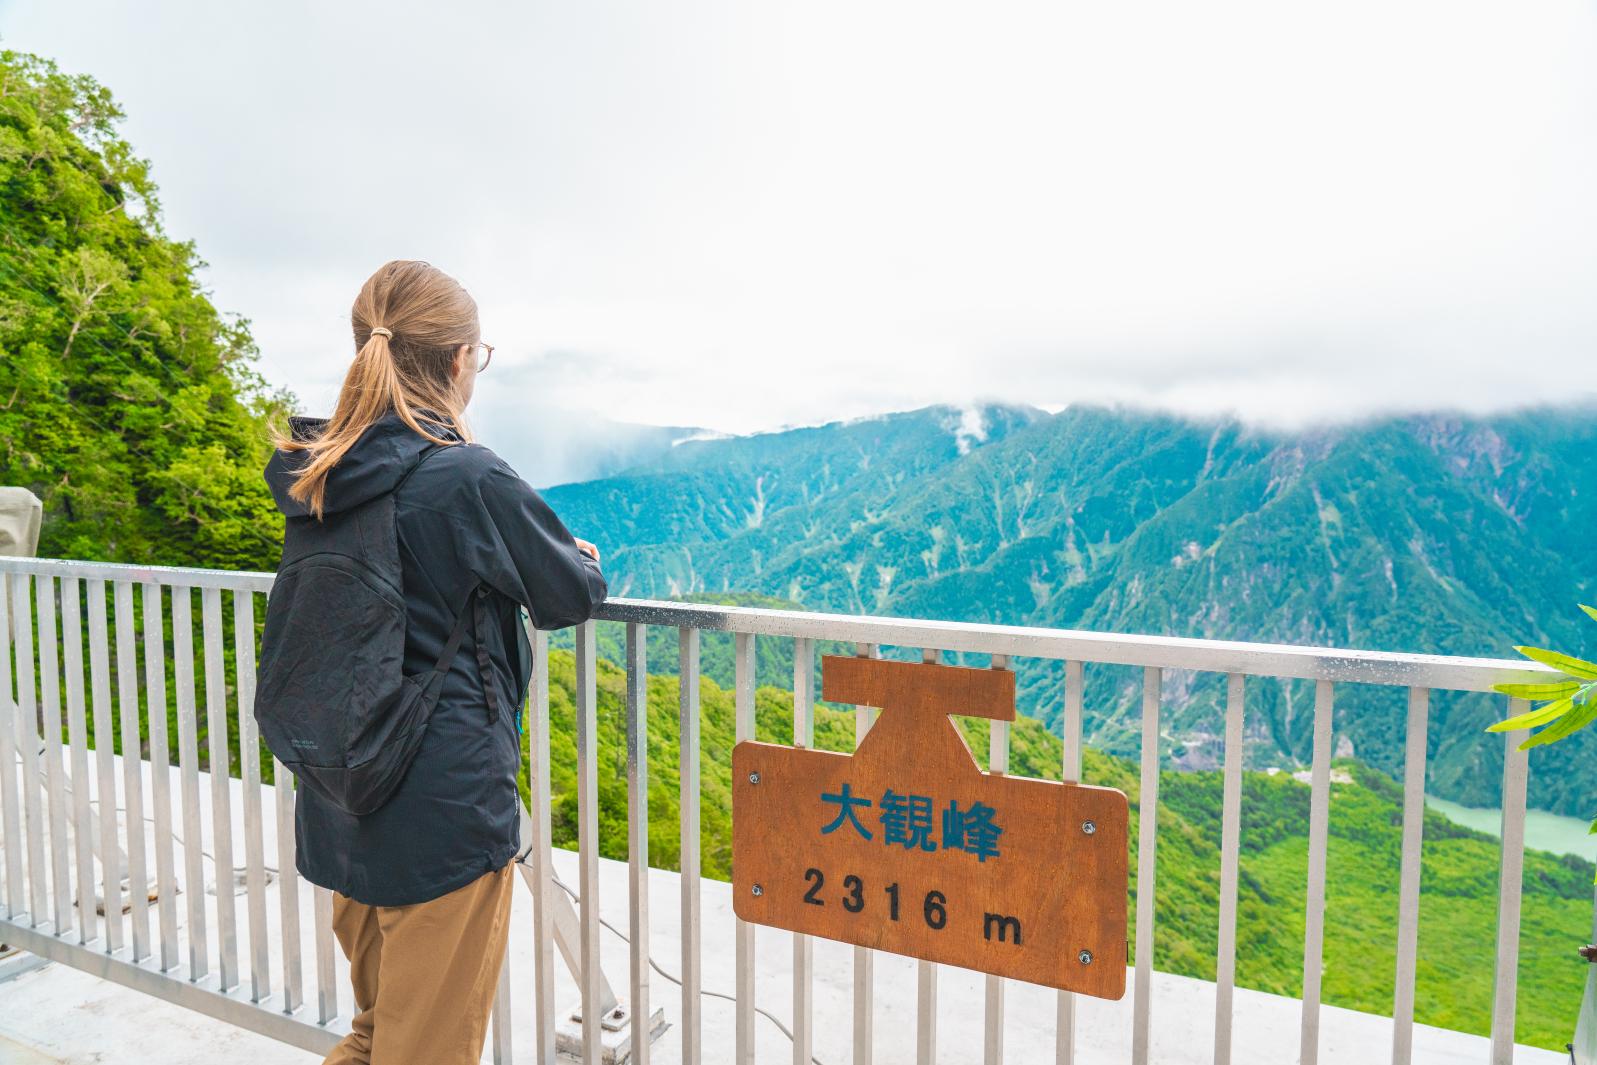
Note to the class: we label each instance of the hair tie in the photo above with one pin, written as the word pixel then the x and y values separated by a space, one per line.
pixel 382 331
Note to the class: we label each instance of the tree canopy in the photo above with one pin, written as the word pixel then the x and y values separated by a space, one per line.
pixel 128 403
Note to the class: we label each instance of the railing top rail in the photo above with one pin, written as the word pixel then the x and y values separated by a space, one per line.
pixel 1167 652
pixel 177 576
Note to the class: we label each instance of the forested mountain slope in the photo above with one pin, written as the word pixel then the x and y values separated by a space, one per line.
pixel 128 403
pixel 1434 533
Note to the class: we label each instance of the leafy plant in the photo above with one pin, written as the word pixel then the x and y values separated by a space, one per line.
pixel 1570 706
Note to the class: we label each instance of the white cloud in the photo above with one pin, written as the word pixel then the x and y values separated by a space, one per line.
pixel 744 213
pixel 970 429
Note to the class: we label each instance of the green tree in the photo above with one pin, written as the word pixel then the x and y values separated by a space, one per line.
pixel 128 403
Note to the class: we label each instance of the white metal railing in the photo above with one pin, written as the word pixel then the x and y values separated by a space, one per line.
pixel 54 830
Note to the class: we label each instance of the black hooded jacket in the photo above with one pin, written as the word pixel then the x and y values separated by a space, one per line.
pixel 464 520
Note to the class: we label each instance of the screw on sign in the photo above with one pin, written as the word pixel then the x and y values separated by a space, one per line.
pixel 907 846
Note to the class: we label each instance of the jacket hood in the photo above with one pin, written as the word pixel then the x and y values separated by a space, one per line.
pixel 387 451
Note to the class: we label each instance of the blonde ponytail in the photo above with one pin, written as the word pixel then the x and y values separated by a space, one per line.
pixel 409 321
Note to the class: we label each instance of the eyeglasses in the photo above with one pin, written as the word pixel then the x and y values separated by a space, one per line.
pixel 485 355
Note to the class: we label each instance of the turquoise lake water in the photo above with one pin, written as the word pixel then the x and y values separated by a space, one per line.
pixel 1543 831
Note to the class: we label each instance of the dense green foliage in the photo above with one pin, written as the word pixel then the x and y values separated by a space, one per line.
pixel 1428 533
pixel 127 402
pixel 1458 883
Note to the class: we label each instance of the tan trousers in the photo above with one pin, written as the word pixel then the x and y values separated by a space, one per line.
pixel 424 975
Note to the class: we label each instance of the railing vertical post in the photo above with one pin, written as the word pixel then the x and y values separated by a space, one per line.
pixel 1070 773
pixel 326 972
pixel 1408 905
pixel 1510 884
pixel 543 973
pixel 1314 906
pixel 54 769
pixel 803 947
pixel 1147 836
pixel 688 690
pixel 287 887
pixel 10 793
pixel 998 765
pixel 926 975
pixel 864 957
pixel 160 772
pixel 28 736
pixel 588 840
pixel 127 685
pixel 743 682
pixel 105 763
pixel 503 1047
pixel 221 790
pixel 925 1012
pixel 78 743
pixel 188 753
pixel 249 758
pixel 1230 846
pixel 638 834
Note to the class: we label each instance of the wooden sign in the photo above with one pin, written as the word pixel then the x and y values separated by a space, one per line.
pixel 907 846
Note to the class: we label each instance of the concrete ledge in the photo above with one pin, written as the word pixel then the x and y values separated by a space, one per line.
pixel 232 1007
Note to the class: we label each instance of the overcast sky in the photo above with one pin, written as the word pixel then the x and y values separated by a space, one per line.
pixel 747 213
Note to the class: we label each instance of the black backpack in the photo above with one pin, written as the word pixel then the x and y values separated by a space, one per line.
pixel 332 700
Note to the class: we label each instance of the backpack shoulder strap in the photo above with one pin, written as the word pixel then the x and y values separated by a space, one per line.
pixel 478 607
pixel 428 452
pixel 446 657
pixel 472 613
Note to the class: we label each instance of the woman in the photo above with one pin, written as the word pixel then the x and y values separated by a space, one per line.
pixel 422 882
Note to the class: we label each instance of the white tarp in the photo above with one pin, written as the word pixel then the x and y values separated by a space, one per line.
pixel 20 514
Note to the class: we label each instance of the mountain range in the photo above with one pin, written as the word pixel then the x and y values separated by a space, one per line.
pixel 1439 533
